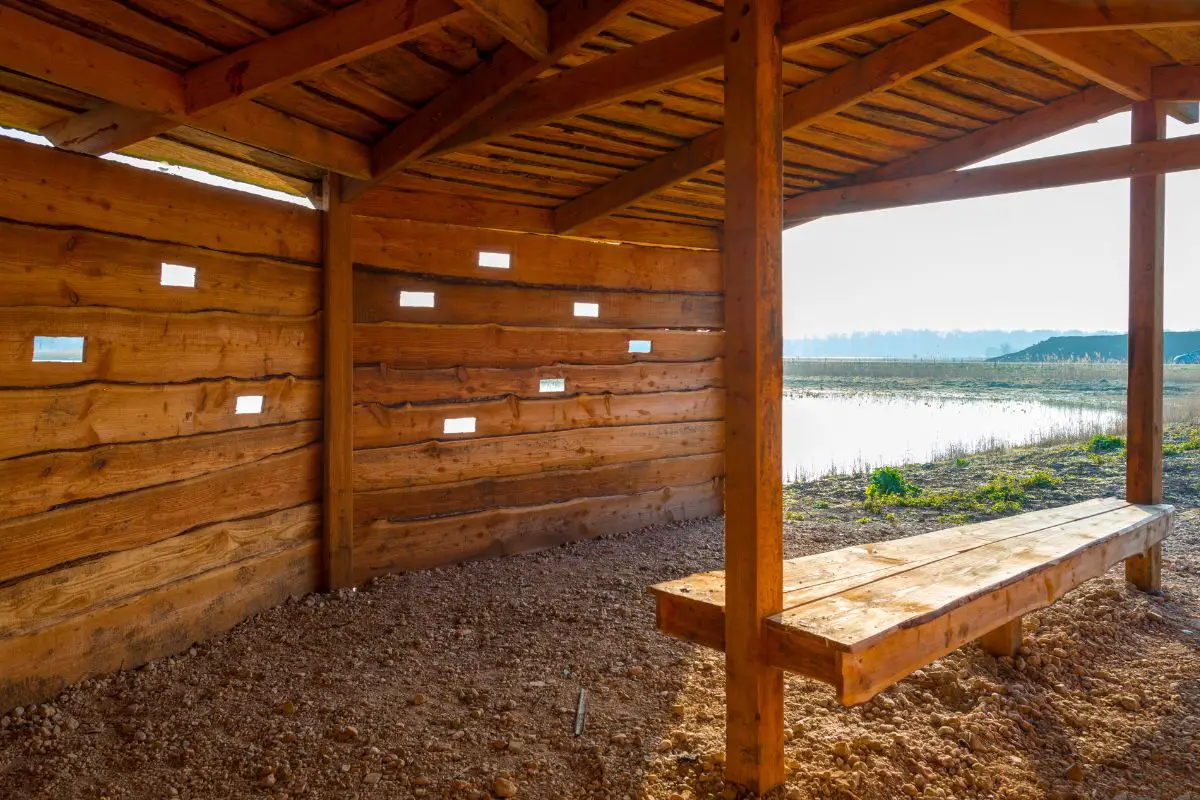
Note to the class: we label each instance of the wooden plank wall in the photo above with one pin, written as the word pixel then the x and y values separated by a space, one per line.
pixel 139 512
pixel 633 439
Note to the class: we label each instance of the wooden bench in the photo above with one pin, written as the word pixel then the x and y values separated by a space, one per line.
pixel 863 617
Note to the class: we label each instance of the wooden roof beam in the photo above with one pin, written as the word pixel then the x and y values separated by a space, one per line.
pixel 886 68
pixel 522 22
pixel 1113 163
pixel 684 54
pixel 1095 56
pixel 571 23
pixel 1064 16
pixel 345 35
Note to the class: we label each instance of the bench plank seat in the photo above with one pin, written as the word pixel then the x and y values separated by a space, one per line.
pixel 863 617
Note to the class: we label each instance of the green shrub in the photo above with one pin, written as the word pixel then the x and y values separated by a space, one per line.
pixel 1104 443
pixel 889 482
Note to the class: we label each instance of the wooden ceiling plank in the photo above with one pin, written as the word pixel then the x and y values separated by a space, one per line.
pixel 1095 56
pixel 1177 83
pixel 682 55
pixel 1113 163
pixel 522 22
pixel 572 22
pixel 891 65
pixel 1065 16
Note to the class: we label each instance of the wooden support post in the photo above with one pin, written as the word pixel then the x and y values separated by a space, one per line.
pixel 1003 641
pixel 338 316
pixel 754 377
pixel 1147 214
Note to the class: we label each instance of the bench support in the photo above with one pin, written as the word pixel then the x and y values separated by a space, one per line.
pixel 1143 469
pixel 1003 641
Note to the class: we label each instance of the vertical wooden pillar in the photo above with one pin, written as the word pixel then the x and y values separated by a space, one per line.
pixel 1147 217
pixel 754 377
pixel 338 317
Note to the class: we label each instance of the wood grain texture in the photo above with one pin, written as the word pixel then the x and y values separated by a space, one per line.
pixel 51 187
pixel 142 517
pixel 396 547
pixel 522 22
pixel 154 624
pixel 55 267
pixel 405 346
pixel 143 347
pixel 382 426
pixel 376 299
pixel 42 420
pixel 537 488
pixel 445 251
pixel 41 482
pixel 389 387
pixel 505 456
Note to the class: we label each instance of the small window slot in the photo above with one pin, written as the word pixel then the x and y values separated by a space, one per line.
pixel 587 309
pixel 491 260
pixel 58 349
pixel 458 425
pixel 178 275
pixel 416 299
pixel 249 404
pixel 639 345
pixel 552 385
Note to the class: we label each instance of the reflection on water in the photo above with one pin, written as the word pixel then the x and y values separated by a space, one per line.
pixel 845 433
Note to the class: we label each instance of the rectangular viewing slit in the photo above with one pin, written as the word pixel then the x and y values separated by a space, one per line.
pixel 552 385
pixel 459 425
pixel 416 299
pixel 178 275
pixel 587 309
pixel 59 349
pixel 249 404
pixel 495 260
pixel 639 345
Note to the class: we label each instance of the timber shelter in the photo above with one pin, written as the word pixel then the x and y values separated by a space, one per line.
pixel 538 299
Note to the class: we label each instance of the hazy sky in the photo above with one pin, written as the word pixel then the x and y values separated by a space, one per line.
pixel 1056 258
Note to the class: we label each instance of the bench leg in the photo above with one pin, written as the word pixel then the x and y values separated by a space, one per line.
pixel 1145 570
pixel 1003 641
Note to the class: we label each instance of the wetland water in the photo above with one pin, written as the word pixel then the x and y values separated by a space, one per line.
pixel 828 432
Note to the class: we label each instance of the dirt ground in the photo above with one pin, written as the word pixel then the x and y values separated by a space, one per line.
pixel 463 682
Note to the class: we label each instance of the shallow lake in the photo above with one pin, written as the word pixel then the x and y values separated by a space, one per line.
pixel 835 432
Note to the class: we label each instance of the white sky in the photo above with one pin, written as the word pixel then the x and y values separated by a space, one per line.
pixel 1055 258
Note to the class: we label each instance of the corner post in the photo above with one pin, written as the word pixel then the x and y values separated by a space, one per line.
pixel 1144 465
pixel 753 246
pixel 338 318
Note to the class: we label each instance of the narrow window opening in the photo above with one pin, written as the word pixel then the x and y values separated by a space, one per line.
pixel 552 385
pixel 459 425
pixel 416 299
pixel 249 404
pixel 60 349
pixel 639 345
pixel 495 260
pixel 178 275
pixel 587 309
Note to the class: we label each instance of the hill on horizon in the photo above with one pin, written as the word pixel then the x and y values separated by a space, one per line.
pixel 920 343
pixel 1100 347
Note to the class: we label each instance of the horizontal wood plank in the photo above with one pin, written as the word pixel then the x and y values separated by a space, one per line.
pixel 403 346
pixel 377 296
pixel 55 267
pixel 383 426
pixel 535 489
pixel 40 482
pixel 42 420
pixel 144 347
pixel 505 456
pixel 449 251
pixel 402 546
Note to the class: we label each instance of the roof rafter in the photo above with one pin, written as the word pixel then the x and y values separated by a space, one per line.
pixel 523 22
pixel 1112 163
pixel 681 55
pixel 571 23
pixel 891 65
pixel 1060 16
pixel 1095 56
pixel 349 33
